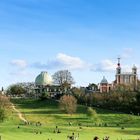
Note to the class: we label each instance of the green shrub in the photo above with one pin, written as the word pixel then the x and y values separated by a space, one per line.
pixel 91 112
pixel 2 115
pixel 93 115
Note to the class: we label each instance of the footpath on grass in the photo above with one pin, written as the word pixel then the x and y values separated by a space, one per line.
pixel 19 113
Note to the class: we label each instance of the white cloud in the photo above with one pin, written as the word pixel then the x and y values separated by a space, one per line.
pixel 63 61
pixel 110 66
pixel 19 63
pixel 105 66
pixel 19 68
pixel 70 62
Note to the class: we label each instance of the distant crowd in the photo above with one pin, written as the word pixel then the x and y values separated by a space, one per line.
pixel 73 136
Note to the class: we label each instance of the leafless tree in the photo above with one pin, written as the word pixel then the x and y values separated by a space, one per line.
pixel 68 103
pixel 63 77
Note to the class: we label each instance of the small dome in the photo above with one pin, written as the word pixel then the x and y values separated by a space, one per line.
pixel 104 81
pixel 43 79
pixel 134 67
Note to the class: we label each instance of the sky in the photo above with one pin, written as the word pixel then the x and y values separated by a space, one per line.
pixel 84 36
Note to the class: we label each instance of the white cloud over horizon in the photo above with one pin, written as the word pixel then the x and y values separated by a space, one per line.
pixel 104 66
pixel 23 70
pixel 63 61
pixel 71 62
pixel 19 68
pixel 19 63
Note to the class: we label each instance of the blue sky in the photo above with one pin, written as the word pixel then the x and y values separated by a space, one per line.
pixel 83 36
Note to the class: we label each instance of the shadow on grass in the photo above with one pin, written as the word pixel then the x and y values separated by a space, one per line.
pixel 44 112
pixel 130 132
pixel 32 104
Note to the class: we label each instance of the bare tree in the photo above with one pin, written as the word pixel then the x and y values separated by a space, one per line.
pixel 63 77
pixel 68 103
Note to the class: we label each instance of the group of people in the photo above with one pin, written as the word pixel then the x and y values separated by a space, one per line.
pixel 97 138
pixel 38 132
pixel 106 138
pixel 36 124
pixel 30 123
pixel 73 137
pixel 56 130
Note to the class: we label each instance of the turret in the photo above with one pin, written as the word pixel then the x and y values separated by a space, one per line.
pixel 134 70
pixel 118 69
pixel 104 85
pixel 118 72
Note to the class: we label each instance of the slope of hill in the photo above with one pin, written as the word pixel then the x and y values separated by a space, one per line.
pixel 47 113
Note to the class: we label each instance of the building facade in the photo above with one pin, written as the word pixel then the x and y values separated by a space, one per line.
pixel 126 78
pixel 121 78
pixel 44 85
pixel 105 86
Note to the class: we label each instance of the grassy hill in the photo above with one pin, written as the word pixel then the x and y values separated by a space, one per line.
pixel 47 112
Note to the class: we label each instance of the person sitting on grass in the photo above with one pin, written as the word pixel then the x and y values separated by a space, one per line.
pixel 58 131
pixel 95 138
pixel 18 127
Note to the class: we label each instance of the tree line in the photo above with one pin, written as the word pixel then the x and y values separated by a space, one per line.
pixel 121 98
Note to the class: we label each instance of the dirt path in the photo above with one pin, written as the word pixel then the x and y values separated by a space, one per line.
pixel 19 113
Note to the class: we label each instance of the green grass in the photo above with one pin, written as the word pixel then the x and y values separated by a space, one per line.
pixel 48 113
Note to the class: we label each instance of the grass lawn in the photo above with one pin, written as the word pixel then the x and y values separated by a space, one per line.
pixel 47 112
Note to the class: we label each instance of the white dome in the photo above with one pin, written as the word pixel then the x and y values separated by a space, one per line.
pixel 43 79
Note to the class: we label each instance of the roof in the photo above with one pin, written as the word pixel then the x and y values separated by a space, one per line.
pixel 104 81
pixel 134 67
pixel 43 79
